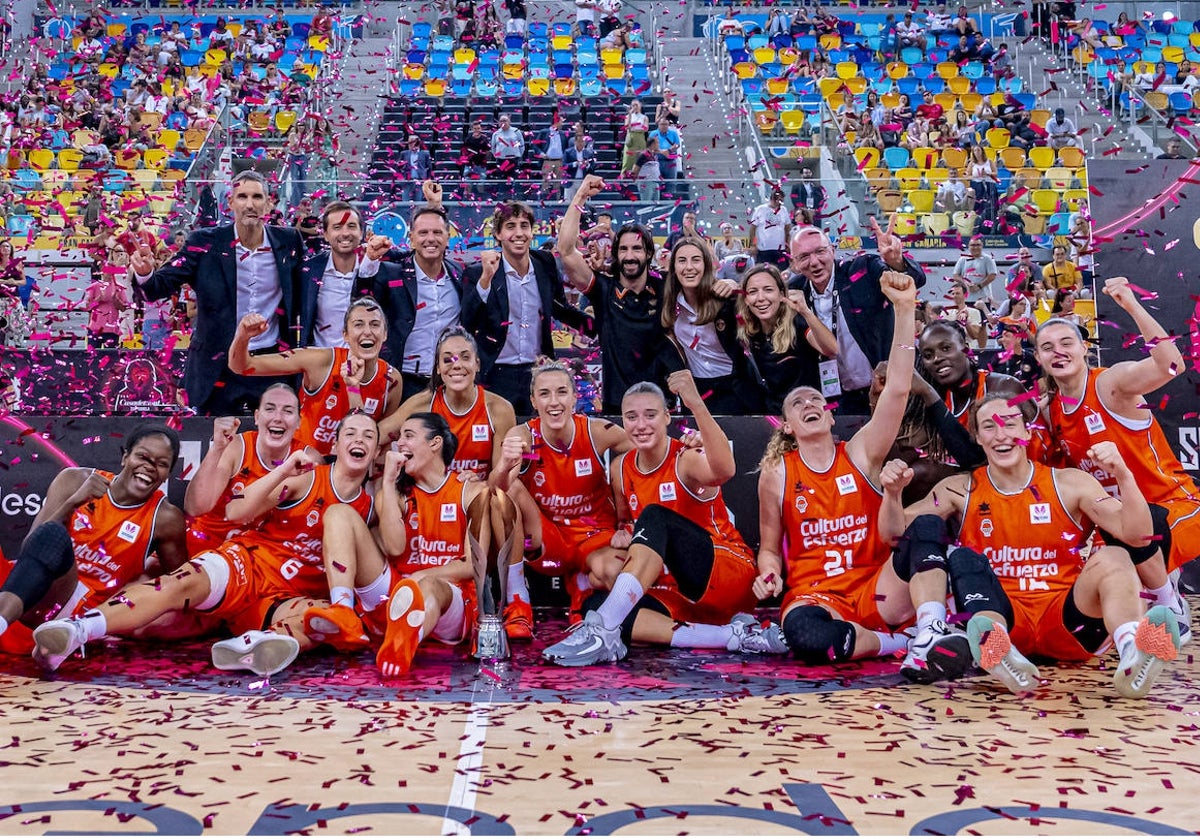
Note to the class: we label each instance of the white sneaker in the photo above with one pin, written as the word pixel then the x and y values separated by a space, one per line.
pixel 1156 643
pixel 258 651
pixel 750 636
pixel 994 652
pixel 937 652
pixel 1182 612
pixel 55 641
pixel 588 644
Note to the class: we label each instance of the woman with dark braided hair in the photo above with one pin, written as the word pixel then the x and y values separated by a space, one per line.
pixel 942 359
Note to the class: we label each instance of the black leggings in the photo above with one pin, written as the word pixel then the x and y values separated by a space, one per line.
pixel 686 549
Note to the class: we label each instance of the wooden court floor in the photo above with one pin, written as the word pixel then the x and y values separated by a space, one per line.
pixel 135 739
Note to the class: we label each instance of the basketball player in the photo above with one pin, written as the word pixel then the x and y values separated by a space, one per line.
pixel 1017 565
pixel 96 533
pixel 818 502
pixel 553 468
pixel 336 380
pixel 682 528
pixel 261 581
pixel 1107 404
pixel 234 461
pixel 952 372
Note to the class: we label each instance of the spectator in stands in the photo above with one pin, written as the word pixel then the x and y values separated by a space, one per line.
pixel 938 21
pixel 1002 66
pixel 510 299
pixel 985 181
pixel 669 143
pixel 585 18
pixel 308 223
pixel 770 231
pixel 968 316
pixel 909 33
pixel 825 22
pixel 930 110
pixel 728 244
pixel 1064 307
pixel 1061 130
pixel 1086 32
pixel 637 126
pixel 265 264
pixel 807 192
pixel 961 129
pixel 321 24
pixel 1021 274
pixel 172 43
pixel 489 31
pixel 875 110
pixel 689 229
pixel 517 14
pixel 610 15
pixel 1083 252
pixel 1174 151
pixel 579 159
pixel 279 28
pixel 669 109
pixel 963 23
pixel 777 23
pixel 507 147
pixel 801 23
pixel 953 194
pixel 647 172
pixel 1060 273
pixel 1148 79
pixel 105 300
pixel 416 165
pixel 846 296
pixel 137 236
pixel 917 136
pixel 1015 358
pixel 964 51
pixel 12 279
pixel 221 38
pixel 977 271
pixel 903 112
pixel 464 14
pixel 551 143
pixel 474 159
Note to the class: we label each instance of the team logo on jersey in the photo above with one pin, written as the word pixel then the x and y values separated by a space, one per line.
pixel 413 522
pixel 480 432
pixel 331 403
pixel 801 504
pixel 1039 513
pixel 985 527
pixel 633 501
pixel 846 484
pixel 984 509
pixel 539 478
pixel 313 518
pixel 370 405
pixel 81 522
pixel 1094 423
pixel 583 466
pixel 238 489
pixel 449 512
pixel 666 491
pixel 129 531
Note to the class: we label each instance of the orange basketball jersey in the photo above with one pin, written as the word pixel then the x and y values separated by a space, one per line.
pixel 570 486
pixel 1141 442
pixel 1031 540
pixel 437 526
pixel 963 415
pixel 832 542
pixel 112 543
pixel 207 531
pixel 287 543
pixel 323 409
pixel 473 429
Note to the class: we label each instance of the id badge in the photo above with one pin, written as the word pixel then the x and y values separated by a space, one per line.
pixel 831 383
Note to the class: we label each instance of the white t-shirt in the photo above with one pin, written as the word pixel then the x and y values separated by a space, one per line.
pixel 770 227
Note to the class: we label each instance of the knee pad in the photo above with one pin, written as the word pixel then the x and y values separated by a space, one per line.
pixel 975 586
pixel 1161 540
pixel 646 603
pixel 816 637
pixel 47 555
pixel 651 529
pixel 922 548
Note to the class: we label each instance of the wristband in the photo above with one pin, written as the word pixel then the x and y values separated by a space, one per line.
pixel 353 389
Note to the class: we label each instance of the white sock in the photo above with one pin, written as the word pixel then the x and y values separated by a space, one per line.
pixel 890 643
pixel 3 625
pixel 1165 595
pixel 516 582
pixel 702 636
pixel 343 595
pixel 1125 636
pixel 930 612
pixel 94 624
pixel 626 593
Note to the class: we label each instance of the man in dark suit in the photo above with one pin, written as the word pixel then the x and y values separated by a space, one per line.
pixel 846 296
pixel 416 165
pixel 509 302
pixel 420 291
pixel 808 192
pixel 234 270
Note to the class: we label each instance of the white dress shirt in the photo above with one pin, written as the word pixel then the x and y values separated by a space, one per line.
pixel 705 356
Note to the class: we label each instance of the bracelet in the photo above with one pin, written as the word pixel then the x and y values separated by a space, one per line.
pixel 353 389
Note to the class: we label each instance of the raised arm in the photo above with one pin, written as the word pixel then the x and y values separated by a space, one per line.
pixel 575 266
pixel 313 362
pixel 170 538
pixel 1127 382
pixel 393 530
pixel 212 476
pixel 71 488
pixel 1128 517
pixel 893 478
pixel 713 465
pixel 279 485
pixel 769 581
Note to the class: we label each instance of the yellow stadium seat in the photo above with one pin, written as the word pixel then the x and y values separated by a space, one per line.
pixel 766 121
pixel 829 85
pixel 925 157
pixel 889 200
pixel 414 72
pixel 41 159
pixel 146 179
pixel 216 56
pixel 127 158
pixel 1013 158
pixel 792 121
pixel 259 121
pixel 998 138
pixel 1039 117
pixel 1075 199
pixel 745 70
pixel 437 87
pixel 857 85
pixel 947 69
pixel 778 87
pixel 921 200
pixel 538 86
pixel 909 178
pixel 613 55
pixel 318 43
pixel 1071 156
pixel 1045 200
pixel 69 159
pixel 936 224
pixel 846 69
pixel 788 56
pixel 964 223
pixel 564 87
pixel 762 55
pixel 1043 157
pixel 284 120
pixel 867 157
pixel 906 224
pixel 155 158
pixel 970 101
pixel 831 42
pixel 1060 178
pixel 516 72
pixel 108 71
pixel 954 157
pixel 959 85
pixel 948 101
pixel 897 70
pixel 193 139
pixel 464 55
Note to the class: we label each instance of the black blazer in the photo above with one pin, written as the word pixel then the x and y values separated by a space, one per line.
pixel 208 263
pixel 488 322
pixel 395 287
pixel 863 303
pixel 375 286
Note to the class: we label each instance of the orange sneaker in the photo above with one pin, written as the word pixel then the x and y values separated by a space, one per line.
pixel 336 625
pixel 405 615
pixel 518 620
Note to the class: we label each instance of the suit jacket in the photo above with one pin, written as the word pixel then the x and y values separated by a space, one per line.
pixel 313 271
pixel 395 287
pixel 864 307
pixel 488 321
pixel 573 157
pixel 208 263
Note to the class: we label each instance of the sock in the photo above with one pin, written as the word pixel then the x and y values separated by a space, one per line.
pixel 94 624
pixel 890 643
pixel 516 583
pixel 343 595
pixel 1125 636
pixel 3 625
pixel 930 612
pixel 1165 595
pixel 626 593
pixel 702 636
